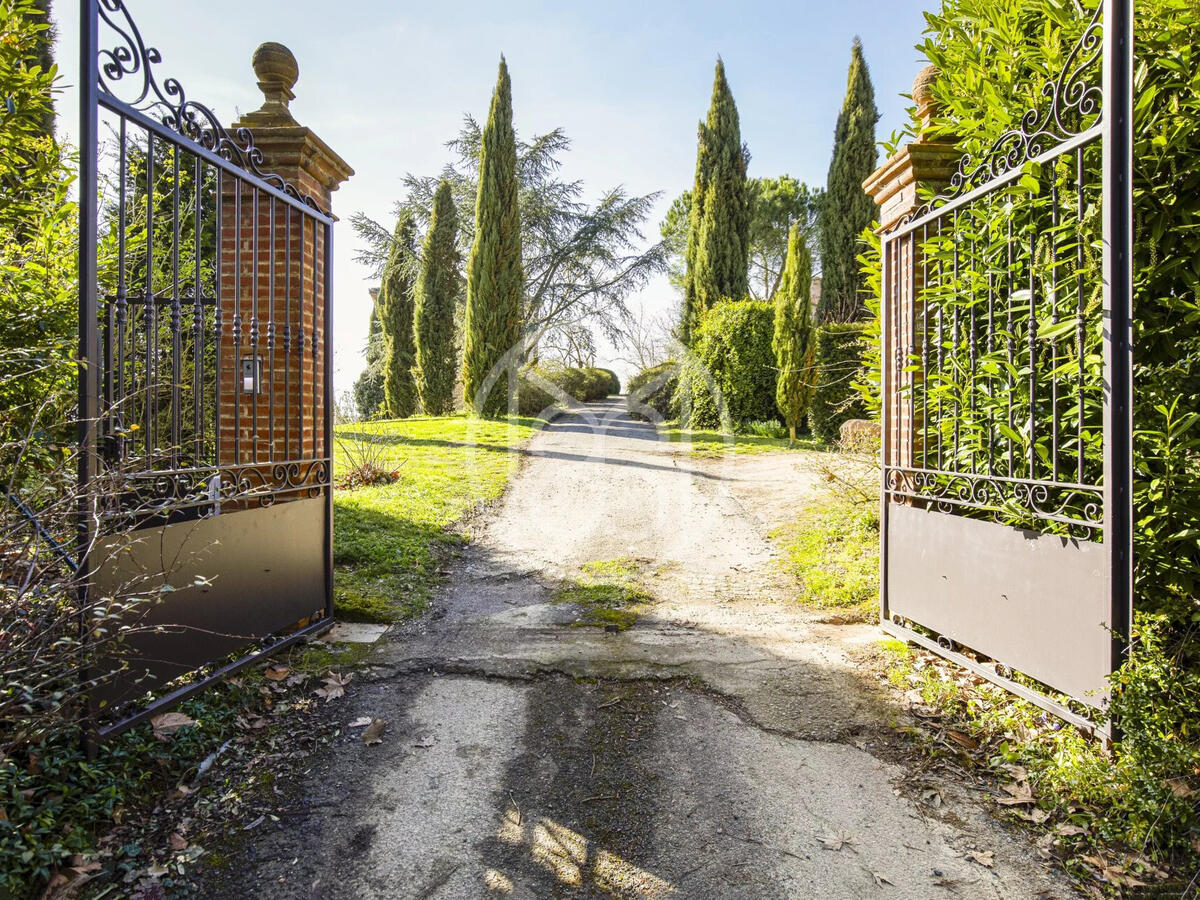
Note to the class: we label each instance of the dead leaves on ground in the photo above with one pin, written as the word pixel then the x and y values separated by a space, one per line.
pixel 167 724
pixel 374 732
pixel 836 840
pixel 986 858
pixel 334 686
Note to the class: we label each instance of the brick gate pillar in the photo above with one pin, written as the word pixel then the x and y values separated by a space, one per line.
pixel 272 297
pixel 894 187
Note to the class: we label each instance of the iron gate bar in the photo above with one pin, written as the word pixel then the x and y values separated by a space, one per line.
pixel 1118 303
pixel 174 698
pixel 909 480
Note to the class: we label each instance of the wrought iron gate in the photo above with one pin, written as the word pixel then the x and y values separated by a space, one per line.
pixel 1006 513
pixel 205 386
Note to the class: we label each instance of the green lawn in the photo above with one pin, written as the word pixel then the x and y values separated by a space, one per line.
pixel 389 540
pixel 716 443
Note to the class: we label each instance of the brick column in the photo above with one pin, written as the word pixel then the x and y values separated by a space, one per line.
pixel 894 187
pixel 272 299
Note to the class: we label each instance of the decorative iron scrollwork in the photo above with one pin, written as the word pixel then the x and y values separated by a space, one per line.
pixel 151 498
pixel 1077 508
pixel 131 61
pixel 1071 98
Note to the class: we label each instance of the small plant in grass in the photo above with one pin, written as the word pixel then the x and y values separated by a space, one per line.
pixel 365 462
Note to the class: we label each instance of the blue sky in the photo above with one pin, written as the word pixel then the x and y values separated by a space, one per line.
pixel 386 84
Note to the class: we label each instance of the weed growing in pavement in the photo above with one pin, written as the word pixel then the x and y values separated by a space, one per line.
pixel 607 593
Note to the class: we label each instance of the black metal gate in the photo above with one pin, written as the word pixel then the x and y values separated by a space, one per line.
pixel 1006 511
pixel 205 393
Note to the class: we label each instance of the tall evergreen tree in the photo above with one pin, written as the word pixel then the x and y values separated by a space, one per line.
pixel 719 232
pixel 847 208
pixel 437 292
pixel 368 387
pixel 794 341
pixel 694 201
pixel 495 276
pixel 396 319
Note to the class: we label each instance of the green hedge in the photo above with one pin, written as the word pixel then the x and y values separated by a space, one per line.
pixel 729 377
pixel 598 384
pixel 835 398
pixel 654 389
pixel 584 385
pixel 614 383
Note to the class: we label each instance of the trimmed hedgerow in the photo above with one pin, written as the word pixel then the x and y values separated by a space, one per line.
pixel 597 384
pixel 729 377
pixel 614 383
pixel 654 389
pixel 835 397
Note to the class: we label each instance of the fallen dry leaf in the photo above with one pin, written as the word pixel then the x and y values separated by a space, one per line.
pixel 360 722
pixel 169 723
pixel 836 840
pixel 962 739
pixel 276 673
pixel 985 858
pixel 335 686
pixel 1036 815
pixel 177 841
pixel 1070 830
pixel 374 732
pixel 932 798
pixel 1020 793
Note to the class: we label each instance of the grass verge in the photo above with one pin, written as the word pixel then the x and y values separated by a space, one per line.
pixel 717 443
pixel 832 549
pixel 390 539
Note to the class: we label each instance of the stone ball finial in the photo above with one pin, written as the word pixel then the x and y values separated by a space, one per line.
pixel 922 93
pixel 277 72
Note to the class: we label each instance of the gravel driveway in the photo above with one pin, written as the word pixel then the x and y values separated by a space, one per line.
pixel 727 745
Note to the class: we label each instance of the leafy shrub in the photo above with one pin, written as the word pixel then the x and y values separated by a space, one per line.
pixel 584 385
pixel 729 377
pixel 614 383
pixel 839 362
pixel 654 390
pixel 597 384
pixel 533 397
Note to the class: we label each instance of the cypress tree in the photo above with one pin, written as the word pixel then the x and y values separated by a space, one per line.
pixel 396 319
pixel 690 315
pixel 794 343
pixel 368 387
pixel 437 291
pixel 719 233
pixel 847 208
pixel 495 277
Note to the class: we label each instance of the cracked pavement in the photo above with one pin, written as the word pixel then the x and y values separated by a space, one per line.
pixel 728 745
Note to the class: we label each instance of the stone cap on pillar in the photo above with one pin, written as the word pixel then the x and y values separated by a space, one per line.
pixel 931 163
pixel 290 150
